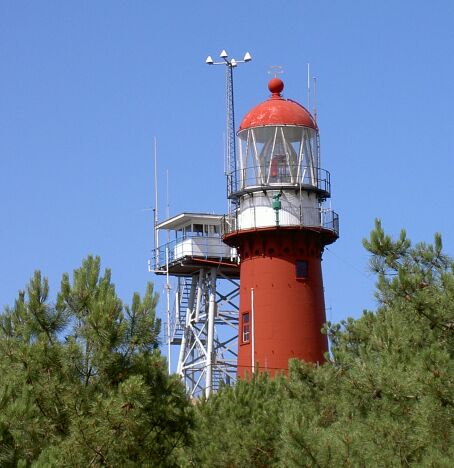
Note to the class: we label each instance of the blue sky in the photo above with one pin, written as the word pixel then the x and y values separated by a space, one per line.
pixel 85 87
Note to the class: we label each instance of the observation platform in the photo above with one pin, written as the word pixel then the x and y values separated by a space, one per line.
pixel 195 242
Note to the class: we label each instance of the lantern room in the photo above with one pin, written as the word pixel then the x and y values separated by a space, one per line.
pixel 278 181
pixel 278 146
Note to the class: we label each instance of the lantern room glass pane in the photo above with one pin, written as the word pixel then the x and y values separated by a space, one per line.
pixel 277 155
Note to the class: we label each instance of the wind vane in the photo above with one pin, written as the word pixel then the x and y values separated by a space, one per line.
pixel 276 70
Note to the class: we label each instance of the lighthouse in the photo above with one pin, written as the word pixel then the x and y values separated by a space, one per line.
pixel 279 224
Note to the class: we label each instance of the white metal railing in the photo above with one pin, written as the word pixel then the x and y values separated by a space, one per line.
pixel 206 247
pixel 291 175
pixel 319 218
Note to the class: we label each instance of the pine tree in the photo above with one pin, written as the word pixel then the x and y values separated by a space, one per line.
pixel 386 395
pixel 83 382
pixel 239 426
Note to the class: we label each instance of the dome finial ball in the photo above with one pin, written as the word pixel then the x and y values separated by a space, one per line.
pixel 276 85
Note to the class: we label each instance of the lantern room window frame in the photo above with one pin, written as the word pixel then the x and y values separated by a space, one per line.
pixel 293 149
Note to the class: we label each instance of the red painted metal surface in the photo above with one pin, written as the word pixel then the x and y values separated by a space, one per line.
pixel 288 312
pixel 278 111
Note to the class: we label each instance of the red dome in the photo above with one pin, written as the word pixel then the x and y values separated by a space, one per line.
pixel 278 111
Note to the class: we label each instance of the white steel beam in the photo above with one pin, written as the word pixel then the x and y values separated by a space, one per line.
pixel 209 331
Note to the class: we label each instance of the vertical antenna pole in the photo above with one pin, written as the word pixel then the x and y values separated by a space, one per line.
pixel 168 310
pixel 308 87
pixel 167 194
pixel 224 146
pixel 167 203
pixel 226 168
pixel 315 99
pixel 231 144
pixel 156 230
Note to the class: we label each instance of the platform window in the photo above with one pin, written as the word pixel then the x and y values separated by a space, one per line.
pixel 198 229
pixel 246 327
pixel 301 269
pixel 211 230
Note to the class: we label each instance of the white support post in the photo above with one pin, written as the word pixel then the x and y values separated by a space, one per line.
pixel 210 337
pixel 199 295
pixel 246 167
pixel 190 309
pixel 257 159
pixel 169 337
pixel 252 332
pixel 310 158
pixel 272 156
pixel 182 348
pixel 300 161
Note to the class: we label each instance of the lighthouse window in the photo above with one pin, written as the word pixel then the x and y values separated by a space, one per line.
pixel 301 269
pixel 246 328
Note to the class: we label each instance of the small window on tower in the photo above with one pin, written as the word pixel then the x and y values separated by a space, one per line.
pixel 246 326
pixel 301 269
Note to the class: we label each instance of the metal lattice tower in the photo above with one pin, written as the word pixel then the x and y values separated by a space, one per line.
pixel 206 331
pixel 202 324
pixel 232 176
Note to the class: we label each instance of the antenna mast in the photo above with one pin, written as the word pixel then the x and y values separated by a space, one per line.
pixel 315 99
pixel 232 174
pixel 155 210
pixel 231 143
pixel 308 87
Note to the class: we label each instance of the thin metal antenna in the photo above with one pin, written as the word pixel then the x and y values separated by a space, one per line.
pixel 155 210
pixel 315 99
pixel 226 166
pixel 224 145
pixel 167 194
pixel 167 287
pixel 167 202
pixel 308 86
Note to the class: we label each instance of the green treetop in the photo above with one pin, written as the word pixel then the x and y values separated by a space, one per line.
pixel 83 383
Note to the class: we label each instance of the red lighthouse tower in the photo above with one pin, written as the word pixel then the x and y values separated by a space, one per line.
pixel 280 227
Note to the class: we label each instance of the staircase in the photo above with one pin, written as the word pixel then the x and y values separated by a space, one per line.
pixel 178 316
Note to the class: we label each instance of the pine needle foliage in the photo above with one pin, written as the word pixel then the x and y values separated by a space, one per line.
pixel 239 426
pixel 385 396
pixel 83 382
